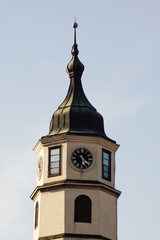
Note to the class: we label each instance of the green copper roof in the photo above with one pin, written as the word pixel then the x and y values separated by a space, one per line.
pixel 76 115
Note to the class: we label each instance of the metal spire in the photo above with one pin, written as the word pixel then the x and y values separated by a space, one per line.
pixel 76 115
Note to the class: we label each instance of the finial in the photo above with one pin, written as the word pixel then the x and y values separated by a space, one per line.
pixel 74 47
pixel 74 25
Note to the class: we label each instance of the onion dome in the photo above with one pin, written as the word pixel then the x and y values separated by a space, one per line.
pixel 76 115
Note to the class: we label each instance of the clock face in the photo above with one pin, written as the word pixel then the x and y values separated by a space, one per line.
pixel 82 158
pixel 39 167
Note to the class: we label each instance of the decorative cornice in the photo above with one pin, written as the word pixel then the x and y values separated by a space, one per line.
pixel 78 184
pixel 74 235
pixel 59 139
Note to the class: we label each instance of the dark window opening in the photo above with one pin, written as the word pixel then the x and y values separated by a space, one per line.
pixel 83 208
pixel 106 165
pixel 36 215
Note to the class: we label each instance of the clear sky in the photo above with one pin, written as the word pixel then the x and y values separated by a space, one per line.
pixel 119 44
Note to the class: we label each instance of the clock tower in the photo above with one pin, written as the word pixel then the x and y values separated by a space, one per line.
pixel 75 197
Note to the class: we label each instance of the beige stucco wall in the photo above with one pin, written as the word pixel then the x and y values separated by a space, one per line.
pixel 56 207
pixel 108 215
pixel 95 171
pixel 36 231
pixel 68 171
pixel 44 153
pixel 104 213
pixel 51 214
pixel 56 215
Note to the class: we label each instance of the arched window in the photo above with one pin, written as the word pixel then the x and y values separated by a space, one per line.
pixel 83 209
pixel 36 215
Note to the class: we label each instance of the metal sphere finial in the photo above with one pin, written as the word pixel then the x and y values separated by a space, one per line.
pixel 75 25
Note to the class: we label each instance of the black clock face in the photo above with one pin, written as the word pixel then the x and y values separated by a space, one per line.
pixel 82 158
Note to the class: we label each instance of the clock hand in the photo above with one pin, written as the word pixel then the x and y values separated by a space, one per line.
pixel 83 160
pixel 83 163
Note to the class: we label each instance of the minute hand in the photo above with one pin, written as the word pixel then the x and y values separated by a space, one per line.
pixel 84 160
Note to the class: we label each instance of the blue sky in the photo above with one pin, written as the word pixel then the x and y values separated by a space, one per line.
pixel 119 44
